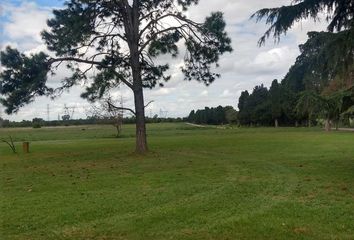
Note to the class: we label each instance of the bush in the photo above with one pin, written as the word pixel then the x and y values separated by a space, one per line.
pixel 36 125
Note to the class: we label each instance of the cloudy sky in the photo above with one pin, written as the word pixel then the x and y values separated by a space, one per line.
pixel 247 66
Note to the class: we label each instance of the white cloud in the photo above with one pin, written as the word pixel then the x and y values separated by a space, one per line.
pixel 204 93
pixel 226 93
pixel 162 91
pixel 25 24
pixel 274 59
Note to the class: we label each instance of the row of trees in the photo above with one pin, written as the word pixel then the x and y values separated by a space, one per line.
pixel 216 116
pixel 91 120
pixel 280 105
pixel 320 83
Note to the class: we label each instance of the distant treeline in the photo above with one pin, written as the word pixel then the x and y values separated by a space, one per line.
pixel 39 122
pixel 216 116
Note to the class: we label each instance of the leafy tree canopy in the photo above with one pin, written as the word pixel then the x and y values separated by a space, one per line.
pixel 218 115
pixel 326 63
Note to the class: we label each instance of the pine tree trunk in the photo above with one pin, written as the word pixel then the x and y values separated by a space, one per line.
pixel 276 124
pixel 141 143
pixel 131 25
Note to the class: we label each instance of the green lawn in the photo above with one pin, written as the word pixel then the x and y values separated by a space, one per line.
pixel 196 183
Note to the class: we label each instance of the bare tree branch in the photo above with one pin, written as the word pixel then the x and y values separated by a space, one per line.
pixel 79 60
pixel 120 108
pixel 148 104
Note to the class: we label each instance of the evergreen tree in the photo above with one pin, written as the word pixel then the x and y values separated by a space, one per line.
pixel 231 115
pixel 327 58
pixel 191 116
pixel 259 105
pixel 326 63
pixel 244 113
pixel 309 104
pixel 288 100
pixel 274 93
pixel 212 115
pixel 120 40
pixel 340 15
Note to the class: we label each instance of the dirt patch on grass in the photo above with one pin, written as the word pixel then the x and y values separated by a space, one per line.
pixel 301 230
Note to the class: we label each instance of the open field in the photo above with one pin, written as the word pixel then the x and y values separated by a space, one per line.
pixel 196 183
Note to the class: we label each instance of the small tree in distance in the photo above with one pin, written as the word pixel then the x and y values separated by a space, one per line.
pixel 120 40
pixel 106 109
pixel 230 115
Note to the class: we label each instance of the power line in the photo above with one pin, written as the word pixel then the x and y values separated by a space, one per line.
pixel 163 114
pixel 69 111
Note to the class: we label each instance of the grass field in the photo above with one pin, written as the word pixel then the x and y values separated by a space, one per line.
pixel 196 183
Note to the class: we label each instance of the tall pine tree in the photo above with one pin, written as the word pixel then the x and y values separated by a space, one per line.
pixel 120 40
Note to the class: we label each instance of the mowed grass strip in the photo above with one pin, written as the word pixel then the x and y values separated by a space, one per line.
pixel 196 183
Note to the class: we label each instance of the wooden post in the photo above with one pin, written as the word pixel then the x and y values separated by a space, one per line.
pixel 25 147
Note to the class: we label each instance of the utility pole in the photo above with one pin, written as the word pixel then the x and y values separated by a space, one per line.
pixel 163 114
pixel 69 111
